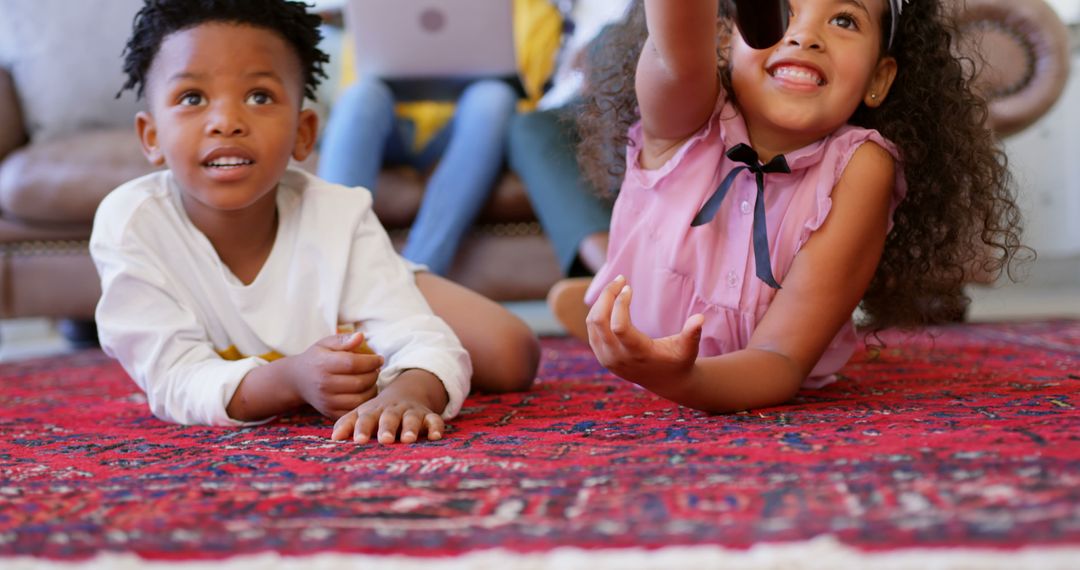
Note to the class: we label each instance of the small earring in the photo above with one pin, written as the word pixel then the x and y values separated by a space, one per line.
pixel 873 95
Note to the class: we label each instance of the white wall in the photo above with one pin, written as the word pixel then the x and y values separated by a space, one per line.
pixel 1046 161
pixel 1069 10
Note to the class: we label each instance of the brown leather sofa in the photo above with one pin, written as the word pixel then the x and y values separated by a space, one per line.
pixel 49 190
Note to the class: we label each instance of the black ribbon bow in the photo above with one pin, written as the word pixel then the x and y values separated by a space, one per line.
pixel 745 154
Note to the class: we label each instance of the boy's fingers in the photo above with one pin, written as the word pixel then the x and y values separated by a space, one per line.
pixel 344 362
pixel 365 426
pixel 388 426
pixel 343 426
pixel 411 423
pixel 364 363
pixel 348 384
pixel 435 426
pixel 345 402
pixel 342 341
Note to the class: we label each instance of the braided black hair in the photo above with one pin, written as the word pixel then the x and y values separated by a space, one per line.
pixel 157 19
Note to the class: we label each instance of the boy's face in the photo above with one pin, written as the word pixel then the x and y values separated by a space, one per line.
pixel 225 114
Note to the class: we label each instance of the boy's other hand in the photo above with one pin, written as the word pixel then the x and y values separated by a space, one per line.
pixel 403 411
pixel 333 378
pixel 656 364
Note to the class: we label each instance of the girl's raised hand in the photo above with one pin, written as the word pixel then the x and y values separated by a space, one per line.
pixel 656 364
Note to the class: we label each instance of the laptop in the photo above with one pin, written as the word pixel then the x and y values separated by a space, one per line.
pixel 433 49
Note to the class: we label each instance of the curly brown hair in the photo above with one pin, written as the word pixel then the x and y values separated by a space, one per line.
pixel 959 221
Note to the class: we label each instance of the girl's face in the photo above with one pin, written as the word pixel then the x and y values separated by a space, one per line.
pixel 808 85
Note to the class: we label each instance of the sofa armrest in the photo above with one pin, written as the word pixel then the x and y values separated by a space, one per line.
pixel 12 130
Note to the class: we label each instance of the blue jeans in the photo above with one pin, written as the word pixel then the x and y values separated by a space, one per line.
pixel 363 133
pixel 542 152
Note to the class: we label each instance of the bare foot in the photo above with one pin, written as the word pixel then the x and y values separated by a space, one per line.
pixel 566 299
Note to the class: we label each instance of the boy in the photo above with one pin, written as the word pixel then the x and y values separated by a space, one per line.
pixel 225 277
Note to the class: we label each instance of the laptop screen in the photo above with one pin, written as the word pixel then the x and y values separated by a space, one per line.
pixel 432 49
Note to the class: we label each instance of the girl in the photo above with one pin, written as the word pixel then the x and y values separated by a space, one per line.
pixel 767 192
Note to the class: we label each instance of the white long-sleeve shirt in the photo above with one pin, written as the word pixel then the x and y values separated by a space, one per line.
pixel 170 308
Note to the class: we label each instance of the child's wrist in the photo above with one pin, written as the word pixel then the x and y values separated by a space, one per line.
pixel 288 381
pixel 675 384
pixel 422 387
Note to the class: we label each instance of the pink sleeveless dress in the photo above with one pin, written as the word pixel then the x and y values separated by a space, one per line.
pixel 677 270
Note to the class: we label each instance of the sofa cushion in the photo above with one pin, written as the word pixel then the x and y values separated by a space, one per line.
pixel 65 179
pixel 65 58
pixel 399 191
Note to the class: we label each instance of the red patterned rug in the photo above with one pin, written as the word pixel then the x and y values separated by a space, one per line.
pixel 969 437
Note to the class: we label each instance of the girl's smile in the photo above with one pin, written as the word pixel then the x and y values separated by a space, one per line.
pixel 797 75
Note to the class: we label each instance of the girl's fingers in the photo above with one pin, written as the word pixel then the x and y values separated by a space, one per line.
pixel 620 312
pixel 365 426
pixel 690 337
pixel 411 423
pixel 435 426
pixel 630 339
pixel 388 426
pixel 344 426
pixel 598 322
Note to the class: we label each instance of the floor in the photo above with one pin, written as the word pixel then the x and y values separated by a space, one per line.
pixel 30 338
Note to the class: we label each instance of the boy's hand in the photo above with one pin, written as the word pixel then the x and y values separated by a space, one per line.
pixel 656 364
pixel 333 376
pixel 403 411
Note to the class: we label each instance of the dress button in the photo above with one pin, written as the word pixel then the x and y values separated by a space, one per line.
pixel 732 279
pixel 745 207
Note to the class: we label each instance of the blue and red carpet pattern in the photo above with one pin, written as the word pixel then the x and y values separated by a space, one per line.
pixel 969 437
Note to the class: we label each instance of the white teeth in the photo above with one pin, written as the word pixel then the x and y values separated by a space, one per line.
pixel 798 74
pixel 227 161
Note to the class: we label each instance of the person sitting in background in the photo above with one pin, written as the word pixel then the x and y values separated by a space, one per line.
pixel 462 143
pixel 543 152
pixel 543 148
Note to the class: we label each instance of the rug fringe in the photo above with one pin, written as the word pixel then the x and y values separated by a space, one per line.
pixel 822 553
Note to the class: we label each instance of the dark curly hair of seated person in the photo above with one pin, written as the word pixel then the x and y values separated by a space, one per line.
pixel 157 19
pixel 959 221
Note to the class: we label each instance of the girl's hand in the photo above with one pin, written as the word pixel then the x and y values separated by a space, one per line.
pixel 333 377
pixel 659 365
pixel 402 412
